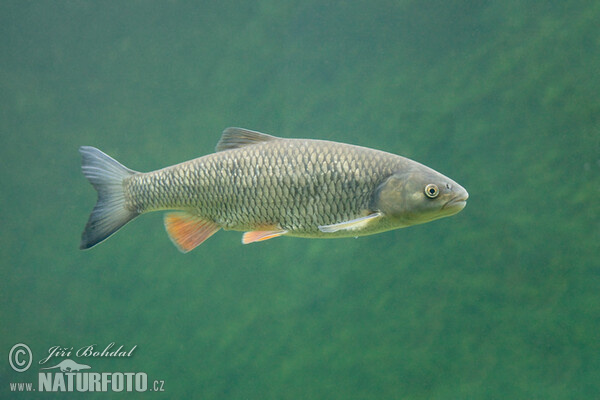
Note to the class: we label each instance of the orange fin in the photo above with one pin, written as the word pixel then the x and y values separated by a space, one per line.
pixel 187 231
pixel 259 236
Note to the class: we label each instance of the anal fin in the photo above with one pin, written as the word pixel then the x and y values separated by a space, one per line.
pixel 352 225
pixel 259 236
pixel 187 231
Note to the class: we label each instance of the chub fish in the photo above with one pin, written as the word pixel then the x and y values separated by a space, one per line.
pixel 268 187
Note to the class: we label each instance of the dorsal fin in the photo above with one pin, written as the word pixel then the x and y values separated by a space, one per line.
pixel 234 138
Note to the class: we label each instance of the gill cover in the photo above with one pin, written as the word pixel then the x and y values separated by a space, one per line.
pixel 417 196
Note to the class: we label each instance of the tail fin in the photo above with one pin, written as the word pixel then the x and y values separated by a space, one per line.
pixel 109 215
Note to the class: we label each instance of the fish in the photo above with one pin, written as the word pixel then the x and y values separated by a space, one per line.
pixel 267 186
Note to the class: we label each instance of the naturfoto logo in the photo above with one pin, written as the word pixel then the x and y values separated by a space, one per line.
pixel 68 375
pixel 70 379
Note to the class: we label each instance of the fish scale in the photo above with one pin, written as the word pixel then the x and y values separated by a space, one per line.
pixel 287 196
pixel 269 187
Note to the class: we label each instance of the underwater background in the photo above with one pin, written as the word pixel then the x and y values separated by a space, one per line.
pixel 501 301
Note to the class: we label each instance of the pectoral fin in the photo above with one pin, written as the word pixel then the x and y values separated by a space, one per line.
pixel 187 231
pixel 352 225
pixel 259 236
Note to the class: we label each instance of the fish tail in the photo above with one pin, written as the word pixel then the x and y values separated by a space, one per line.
pixel 110 213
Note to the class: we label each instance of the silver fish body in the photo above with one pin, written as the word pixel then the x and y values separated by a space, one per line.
pixel 271 186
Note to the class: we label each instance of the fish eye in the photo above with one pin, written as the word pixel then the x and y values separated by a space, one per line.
pixel 432 191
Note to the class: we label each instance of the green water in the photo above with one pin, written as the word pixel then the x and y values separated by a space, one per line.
pixel 501 301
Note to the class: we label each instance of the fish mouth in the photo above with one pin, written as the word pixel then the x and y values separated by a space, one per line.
pixel 457 203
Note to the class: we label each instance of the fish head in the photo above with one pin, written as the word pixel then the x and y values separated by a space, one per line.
pixel 419 195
